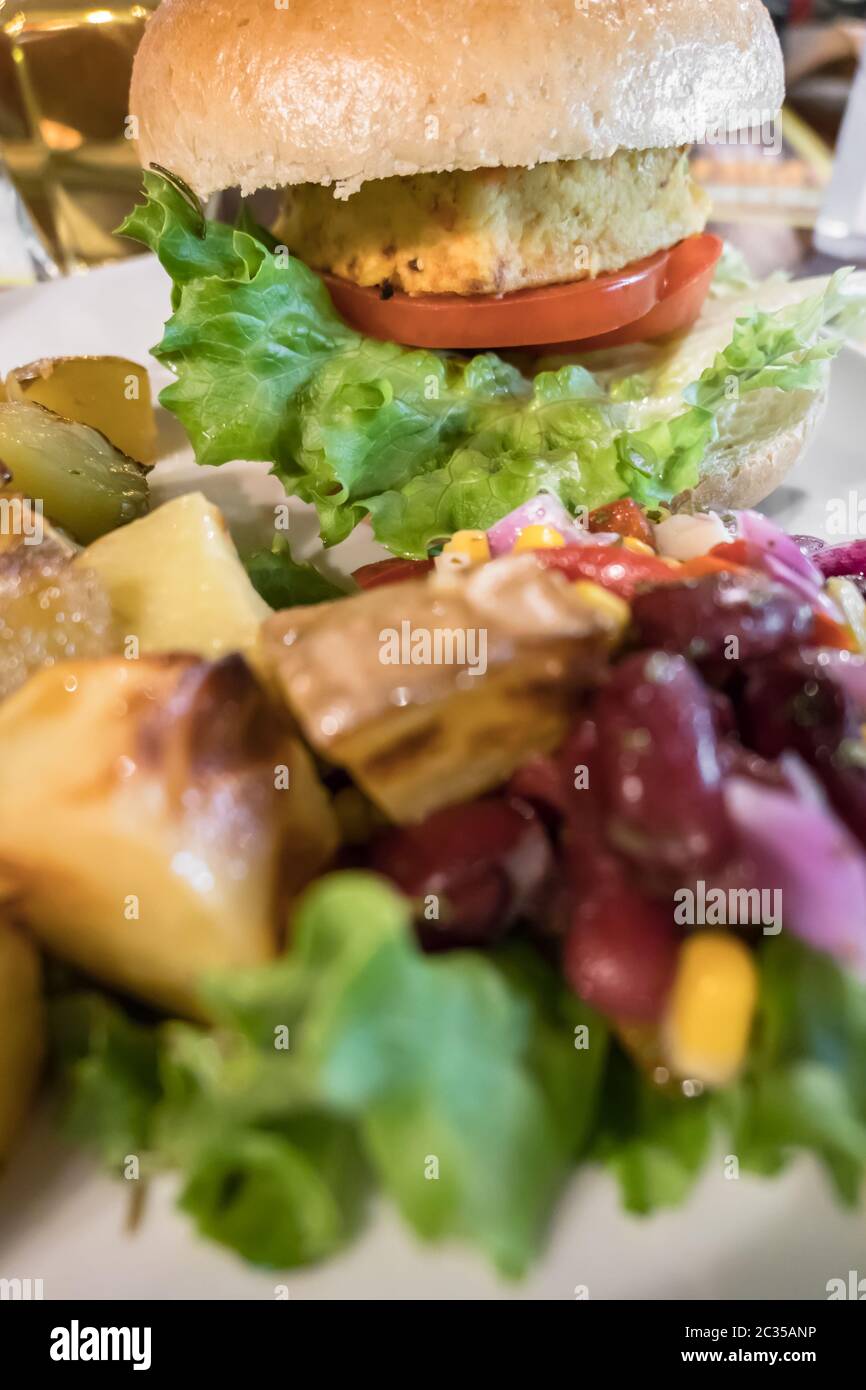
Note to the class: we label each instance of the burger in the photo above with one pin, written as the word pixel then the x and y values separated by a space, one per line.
pixel 486 274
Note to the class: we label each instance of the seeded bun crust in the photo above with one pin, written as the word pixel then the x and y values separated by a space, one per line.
pixel 267 93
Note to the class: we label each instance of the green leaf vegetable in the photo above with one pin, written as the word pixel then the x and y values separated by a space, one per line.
pixel 425 442
pixel 654 1143
pixel 354 1056
pixel 466 1085
pixel 805 1083
pixel 284 582
pixel 803 1090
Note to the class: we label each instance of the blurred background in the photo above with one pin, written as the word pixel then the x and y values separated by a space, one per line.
pixel 792 198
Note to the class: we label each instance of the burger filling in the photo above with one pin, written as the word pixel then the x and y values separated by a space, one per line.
pixel 491 231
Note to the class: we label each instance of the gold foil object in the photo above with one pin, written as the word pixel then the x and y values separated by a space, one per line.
pixel 65 134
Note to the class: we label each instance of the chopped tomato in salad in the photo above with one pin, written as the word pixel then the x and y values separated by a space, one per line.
pixel 625 518
pixel 392 571
pixel 614 567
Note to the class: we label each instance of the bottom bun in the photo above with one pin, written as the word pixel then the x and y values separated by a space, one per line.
pixel 742 475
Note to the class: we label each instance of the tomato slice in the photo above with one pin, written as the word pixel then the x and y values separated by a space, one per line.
pixel 648 298
pixel 392 571
pixel 690 269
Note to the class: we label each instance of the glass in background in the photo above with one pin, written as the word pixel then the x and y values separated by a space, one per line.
pixel 64 134
pixel 840 230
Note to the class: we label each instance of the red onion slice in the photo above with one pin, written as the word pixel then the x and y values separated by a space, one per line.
pixel 800 847
pixel 543 510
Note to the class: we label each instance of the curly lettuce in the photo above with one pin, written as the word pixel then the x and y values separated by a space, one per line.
pixel 424 442
pixel 453 1081
pixel 466 1086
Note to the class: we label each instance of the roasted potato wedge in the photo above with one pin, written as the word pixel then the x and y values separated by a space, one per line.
pixel 145 835
pixel 176 582
pixel 111 394
pixel 22 1030
pixel 84 483
pixel 420 734
pixel 50 611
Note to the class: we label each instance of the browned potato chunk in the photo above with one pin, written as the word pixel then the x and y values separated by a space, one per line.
pixel 111 394
pixel 176 582
pixel 22 1030
pixel 494 657
pixel 154 815
pixel 50 609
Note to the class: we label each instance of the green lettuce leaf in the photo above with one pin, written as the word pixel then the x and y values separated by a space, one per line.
pixel 654 1142
pixel 427 1055
pixel 245 336
pixel 803 1090
pixel 454 1080
pixel 111 1065
pixel 805 1084
pixel 287 583
pixel 787 349
pixel 732 275
pixel 280 1197
pixel 568 1047
pixel 466 1085
pixel 424 442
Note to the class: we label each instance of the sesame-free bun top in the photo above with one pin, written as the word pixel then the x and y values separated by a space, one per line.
pixel 265 93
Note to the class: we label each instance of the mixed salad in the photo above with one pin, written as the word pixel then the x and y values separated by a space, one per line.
pixel 583 883
pixel 649 936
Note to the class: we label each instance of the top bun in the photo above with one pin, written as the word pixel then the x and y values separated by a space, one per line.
pixel 265 93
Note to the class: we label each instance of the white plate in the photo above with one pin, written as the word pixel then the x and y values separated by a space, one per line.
pixel 63 1222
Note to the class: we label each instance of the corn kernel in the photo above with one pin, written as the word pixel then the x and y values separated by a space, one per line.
pixel 637 547
pixel 539 538
pixel 606 604
pixel 709 1014
pixel 473 544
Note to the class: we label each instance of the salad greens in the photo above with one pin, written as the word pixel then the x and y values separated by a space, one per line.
pixel 284 582
pixel 805 1083
pixel 426 443
pixel 465 1085
pixel 355 1056
pixel 654 1143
